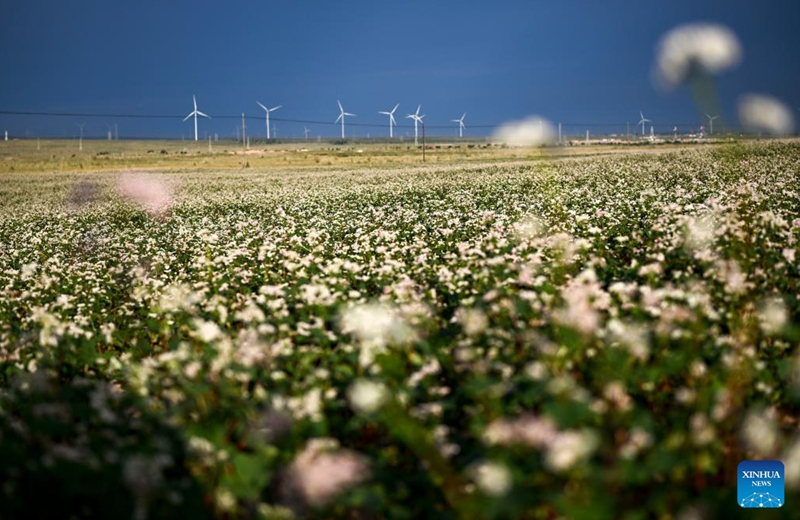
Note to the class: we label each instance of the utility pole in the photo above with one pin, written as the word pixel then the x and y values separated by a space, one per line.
pixel 80 141
pixel 423 140
pixel 244 139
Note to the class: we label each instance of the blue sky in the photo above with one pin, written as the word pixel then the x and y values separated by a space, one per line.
pixel 576 62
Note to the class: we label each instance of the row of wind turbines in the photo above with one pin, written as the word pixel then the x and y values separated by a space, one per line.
pixel 644 120
pixel 416 117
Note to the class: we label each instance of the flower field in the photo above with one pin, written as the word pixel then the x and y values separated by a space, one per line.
pixel 588 338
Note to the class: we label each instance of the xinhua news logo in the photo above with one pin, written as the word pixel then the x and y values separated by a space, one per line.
pixel 760 484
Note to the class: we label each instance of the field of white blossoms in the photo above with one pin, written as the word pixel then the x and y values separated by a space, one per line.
pixel 585 338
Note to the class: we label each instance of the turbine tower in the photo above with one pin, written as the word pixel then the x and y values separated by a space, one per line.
pixel 268 110
pixel 711 124
pixel 417 119
pixel 642 121
pixel 391 119
pixel 195 113
pixel 342 115
pixel 461 125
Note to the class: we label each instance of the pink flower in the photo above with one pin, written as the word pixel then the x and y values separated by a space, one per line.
pixel 323 470
pixel 146 191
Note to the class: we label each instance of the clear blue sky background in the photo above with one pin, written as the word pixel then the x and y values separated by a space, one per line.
pixel 582 62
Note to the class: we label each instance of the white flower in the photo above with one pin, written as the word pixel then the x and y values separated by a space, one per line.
pixel 207 331
pixel 532 131
pixel 773 316
pixel 761 113
pixel 527 430
pixel 474 321
pixel 375 323
pixel 367 396
pixel 700 232
pixel 638 439
pixel 760 432
pixel 492 478
pixel 695 47
pixel 569 448
pixel 530 227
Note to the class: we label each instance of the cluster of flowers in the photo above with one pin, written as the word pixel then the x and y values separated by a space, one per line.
pixel 499 338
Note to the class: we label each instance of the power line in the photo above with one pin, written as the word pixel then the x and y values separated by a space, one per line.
pixel 300 121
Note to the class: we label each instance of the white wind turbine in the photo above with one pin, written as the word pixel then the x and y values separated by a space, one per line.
pixel 268 110
pixel 305 132
pixel 417 119
pixel 461 125
pixel 391 119
pixel 711 124
pixel 342 115
pixel 195 113
pixel 642 121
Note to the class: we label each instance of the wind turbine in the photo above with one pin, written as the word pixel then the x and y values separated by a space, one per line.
pixel 642 121
pixel 461 125
pixel 417 119
pixel 195 113
pixel 342 115
pixel 711 124
pixel 268 110
pixel 391 119
pixel 305 132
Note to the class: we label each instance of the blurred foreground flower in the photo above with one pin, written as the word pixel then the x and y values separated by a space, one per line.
pixel 761 113
pixel 569 448
pixel 532 131
pixel 323 470
pixel 375 323
pixel 146 191
pixel 492 478
pixel 773 315
pixel 367 396
pixel 760 432
pixel 695 48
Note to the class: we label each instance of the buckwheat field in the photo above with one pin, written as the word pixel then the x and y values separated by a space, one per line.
pixel 583 338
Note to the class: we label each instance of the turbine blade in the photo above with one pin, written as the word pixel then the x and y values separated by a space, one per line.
pixel 202 114
pixel 418 107
pixel 386 113
pixel 187 117
pixel 275 108
pixel 341 109
pixel 395 107
pixel 391 117
pixel 262 106
pixel 194 100
pixel 339 118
